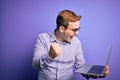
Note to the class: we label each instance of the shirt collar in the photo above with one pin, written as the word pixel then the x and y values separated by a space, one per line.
pixel 53 39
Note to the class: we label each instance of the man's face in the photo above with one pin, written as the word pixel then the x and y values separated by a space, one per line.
pixel 71 31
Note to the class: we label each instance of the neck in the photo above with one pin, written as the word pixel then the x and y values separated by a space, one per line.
pixel 58 36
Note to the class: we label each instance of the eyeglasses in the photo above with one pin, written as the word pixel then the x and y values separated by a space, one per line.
pixel 74 30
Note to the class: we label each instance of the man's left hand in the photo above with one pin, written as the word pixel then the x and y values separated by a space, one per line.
pixel 105 73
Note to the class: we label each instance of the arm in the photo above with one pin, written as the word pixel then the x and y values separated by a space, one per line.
pixel 41 57
pixel 79 58
pixel 80 61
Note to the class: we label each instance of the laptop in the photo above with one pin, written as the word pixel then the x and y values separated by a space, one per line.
pixel 89 69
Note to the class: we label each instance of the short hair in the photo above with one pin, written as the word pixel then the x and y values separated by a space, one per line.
pixel 66 16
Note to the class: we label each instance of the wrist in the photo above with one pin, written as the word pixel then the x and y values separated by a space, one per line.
pixel 52 55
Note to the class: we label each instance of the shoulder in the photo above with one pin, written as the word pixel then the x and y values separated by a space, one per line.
pixel 42 38
pixel 44 35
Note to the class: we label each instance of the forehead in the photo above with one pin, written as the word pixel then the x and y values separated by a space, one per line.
pixel 74 24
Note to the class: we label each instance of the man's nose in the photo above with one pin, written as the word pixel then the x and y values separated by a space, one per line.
pixel 76 32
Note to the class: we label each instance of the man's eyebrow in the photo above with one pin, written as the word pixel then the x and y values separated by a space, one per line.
pixel 77 28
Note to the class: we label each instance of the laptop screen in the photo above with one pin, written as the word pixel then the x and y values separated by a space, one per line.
pixel 108 56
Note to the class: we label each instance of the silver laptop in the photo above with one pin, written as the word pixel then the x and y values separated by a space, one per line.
pixel 90 69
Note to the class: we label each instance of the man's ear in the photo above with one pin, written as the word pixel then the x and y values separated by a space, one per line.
pixel 62 28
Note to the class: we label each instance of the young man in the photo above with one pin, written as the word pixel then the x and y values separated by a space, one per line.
pixel 57 52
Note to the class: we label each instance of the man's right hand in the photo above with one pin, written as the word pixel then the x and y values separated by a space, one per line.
pixel 55 50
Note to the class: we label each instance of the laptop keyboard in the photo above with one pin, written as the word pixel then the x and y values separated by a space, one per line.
pixel 96 69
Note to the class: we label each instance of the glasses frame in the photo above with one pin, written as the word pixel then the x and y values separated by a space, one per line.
pixel 74 30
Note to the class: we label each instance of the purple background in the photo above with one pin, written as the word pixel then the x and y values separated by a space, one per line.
pixel 22 20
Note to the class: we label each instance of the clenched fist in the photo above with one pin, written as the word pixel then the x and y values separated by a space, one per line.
pixel 55 50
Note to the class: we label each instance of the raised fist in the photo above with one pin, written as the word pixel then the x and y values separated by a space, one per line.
pixel 55 50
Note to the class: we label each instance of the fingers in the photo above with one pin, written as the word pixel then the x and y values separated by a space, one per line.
pixel 56 47
pixel 55 50
pixel 106 72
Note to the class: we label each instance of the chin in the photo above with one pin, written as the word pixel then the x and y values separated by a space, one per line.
pixel 68 40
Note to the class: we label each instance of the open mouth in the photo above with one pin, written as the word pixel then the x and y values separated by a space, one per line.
pixel 71 37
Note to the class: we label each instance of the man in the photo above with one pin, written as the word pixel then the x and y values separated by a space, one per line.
pixel 57 52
